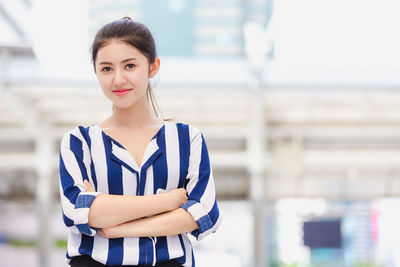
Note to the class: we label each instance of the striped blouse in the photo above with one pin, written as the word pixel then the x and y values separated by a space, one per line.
pixel 176 157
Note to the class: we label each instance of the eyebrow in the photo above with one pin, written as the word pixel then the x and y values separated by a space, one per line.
pixel 123 61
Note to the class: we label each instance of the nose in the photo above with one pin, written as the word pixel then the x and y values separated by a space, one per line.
pixel 119 78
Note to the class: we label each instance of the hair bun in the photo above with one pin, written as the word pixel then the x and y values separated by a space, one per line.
pixel 127 17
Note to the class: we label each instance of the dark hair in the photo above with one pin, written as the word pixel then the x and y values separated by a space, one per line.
pixel 133 33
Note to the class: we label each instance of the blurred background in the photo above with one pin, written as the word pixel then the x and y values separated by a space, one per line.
pixel 299 102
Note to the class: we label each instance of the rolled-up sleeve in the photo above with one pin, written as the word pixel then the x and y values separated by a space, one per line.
pixel 74 168
pixel 202 201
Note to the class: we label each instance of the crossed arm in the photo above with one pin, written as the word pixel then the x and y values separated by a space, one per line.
pixel 140 216
pixel 86 211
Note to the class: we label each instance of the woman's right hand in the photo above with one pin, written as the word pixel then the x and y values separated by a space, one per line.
pixel 177 197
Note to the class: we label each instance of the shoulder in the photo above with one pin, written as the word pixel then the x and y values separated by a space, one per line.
pixel 185 128
pixel 78 134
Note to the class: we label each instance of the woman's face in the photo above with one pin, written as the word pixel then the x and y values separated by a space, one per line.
pixel 123 73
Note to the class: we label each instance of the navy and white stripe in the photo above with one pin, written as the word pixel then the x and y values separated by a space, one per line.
pixel 176 157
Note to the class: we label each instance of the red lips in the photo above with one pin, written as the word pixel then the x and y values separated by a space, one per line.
pixel 121 90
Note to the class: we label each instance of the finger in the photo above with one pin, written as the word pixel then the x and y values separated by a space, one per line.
pixel 100 232
pixel 89 187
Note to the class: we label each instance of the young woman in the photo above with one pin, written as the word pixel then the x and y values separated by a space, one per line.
pixel 133 186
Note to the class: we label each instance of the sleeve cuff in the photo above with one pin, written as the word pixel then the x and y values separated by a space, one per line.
pixel 81 215
pixel 201 217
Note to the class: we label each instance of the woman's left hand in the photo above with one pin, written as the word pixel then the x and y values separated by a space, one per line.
pixel 89 187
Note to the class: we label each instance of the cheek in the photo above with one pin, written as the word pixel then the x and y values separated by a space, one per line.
pixel 143 74
pixel 103 81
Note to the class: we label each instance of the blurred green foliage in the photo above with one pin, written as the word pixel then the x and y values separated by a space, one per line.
pixel 58 243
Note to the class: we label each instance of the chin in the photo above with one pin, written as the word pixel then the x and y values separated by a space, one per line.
pixel 123 105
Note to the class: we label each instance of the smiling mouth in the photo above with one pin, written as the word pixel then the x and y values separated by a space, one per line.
pixel 121 90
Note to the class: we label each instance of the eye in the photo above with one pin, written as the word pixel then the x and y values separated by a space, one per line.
pixel 105 69
pixel 130 66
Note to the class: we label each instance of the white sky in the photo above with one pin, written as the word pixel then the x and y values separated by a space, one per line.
pixel 337 33
pixel 59 33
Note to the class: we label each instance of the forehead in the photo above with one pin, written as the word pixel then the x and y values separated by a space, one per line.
pixel 116 51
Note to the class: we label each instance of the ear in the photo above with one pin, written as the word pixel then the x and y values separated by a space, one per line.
pixel 154 67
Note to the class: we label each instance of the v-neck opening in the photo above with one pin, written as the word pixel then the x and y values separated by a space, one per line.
pixel 121 146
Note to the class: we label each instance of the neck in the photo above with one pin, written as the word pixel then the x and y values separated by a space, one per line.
pixel 138 115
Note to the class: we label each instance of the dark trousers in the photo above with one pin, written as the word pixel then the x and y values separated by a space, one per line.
pixel 87 261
